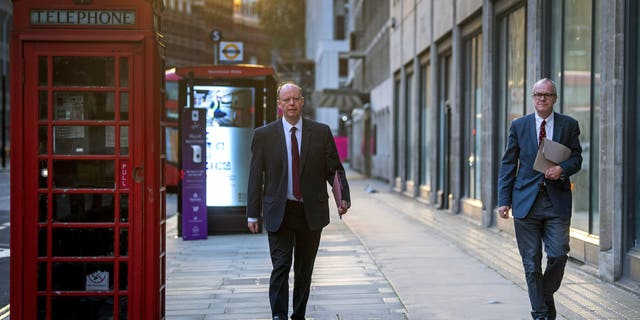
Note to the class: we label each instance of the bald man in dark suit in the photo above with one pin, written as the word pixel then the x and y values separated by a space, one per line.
pixel 288 184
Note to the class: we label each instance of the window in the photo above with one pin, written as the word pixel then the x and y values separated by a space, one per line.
pixel 338 30
pixel 576 70
pixel 426 107
pixel 343 67
pixel 472 116
pixel 408 125
pixel 396 132
pixel 632 158
pixel 512 71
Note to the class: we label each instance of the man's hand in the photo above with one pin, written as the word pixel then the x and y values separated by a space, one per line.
pixel 503 211
pixel 344 206
pixel 553 173
pixel 253 226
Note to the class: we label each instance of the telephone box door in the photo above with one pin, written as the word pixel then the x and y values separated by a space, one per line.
pixel 82 196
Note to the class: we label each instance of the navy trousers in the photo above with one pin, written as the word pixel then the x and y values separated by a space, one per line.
pixel 543 225
pixel 294 240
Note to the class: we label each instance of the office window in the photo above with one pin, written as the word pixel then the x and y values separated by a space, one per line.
pixel 512 35
pixel 343 67
pixel 396 125
pixel 408 125
pixel 575 68
pixel 632 156
pixel 472 109
pixel 426 108
pixel 339 29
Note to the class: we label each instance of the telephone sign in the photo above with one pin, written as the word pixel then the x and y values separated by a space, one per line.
pixel 231 51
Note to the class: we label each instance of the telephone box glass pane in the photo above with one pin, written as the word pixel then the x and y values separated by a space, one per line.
pixel 123 308
pixel 83 174
pixel 124 106
pixel 42 140
pixel 83 71
pixel 43 105
pixel 124 140
pixel 124 242
pixel 42 307
pixel 42 71
pixel 84 105
pixel 43 204
pixel 84 139
pixel 84 307
pixel 124 208
pixel 82 242
pixel 43 174
pixel 124 276
pixel 42 276
pixel 42 242
pixel 82 276
pixel 83 208
pixel 124 72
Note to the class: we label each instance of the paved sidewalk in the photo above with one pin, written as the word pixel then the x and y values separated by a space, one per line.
pixel 390 258
pixel 581 296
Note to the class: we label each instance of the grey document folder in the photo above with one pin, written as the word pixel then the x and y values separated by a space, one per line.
pixel 550 153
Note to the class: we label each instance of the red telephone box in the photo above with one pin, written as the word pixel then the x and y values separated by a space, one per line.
pixel 87 197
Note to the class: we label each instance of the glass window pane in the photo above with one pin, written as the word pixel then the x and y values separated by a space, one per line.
pixel 124 242
pixel 42 140
pixel 124 140
pixel 42 276
pixel 83 71
pixel 124 72
pixel 43 74
pixel 83 174
pixel 124 307
pixel 43 174
pixel 84 307
pixel 124 106
pixel 124 208
pixel 516 56
pixel 82 276
pixel 83 140
pixel 42 242
pixel 124 276
pixel 83 208
pixel 576 99
pixel 83 105
pixel 43 205
pixel 408 127
pixel 82 242
pixel 42 307
pixel 43 105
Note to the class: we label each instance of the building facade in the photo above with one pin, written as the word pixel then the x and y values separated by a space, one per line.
pixel 461 71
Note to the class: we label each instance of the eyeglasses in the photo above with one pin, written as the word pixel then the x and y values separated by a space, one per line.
pixel 294 99
pixel 540 95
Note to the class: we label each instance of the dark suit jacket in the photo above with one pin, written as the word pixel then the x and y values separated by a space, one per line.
pixel 520 190
pixel 319 160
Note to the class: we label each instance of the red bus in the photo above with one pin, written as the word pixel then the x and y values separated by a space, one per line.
pixel 235 99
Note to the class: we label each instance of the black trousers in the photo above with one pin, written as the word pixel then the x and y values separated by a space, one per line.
pixel 294 240
pixel 543 225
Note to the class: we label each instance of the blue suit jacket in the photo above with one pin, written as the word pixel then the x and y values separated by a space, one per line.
pixel 519 183
pixel 268 175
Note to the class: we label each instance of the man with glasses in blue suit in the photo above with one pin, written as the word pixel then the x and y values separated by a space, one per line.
pixel 540 202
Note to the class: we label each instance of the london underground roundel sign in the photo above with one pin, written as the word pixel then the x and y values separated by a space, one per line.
pixel 231 51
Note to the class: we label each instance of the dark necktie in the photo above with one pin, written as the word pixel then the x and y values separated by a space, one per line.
pixel 543 132
pixel 295 165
